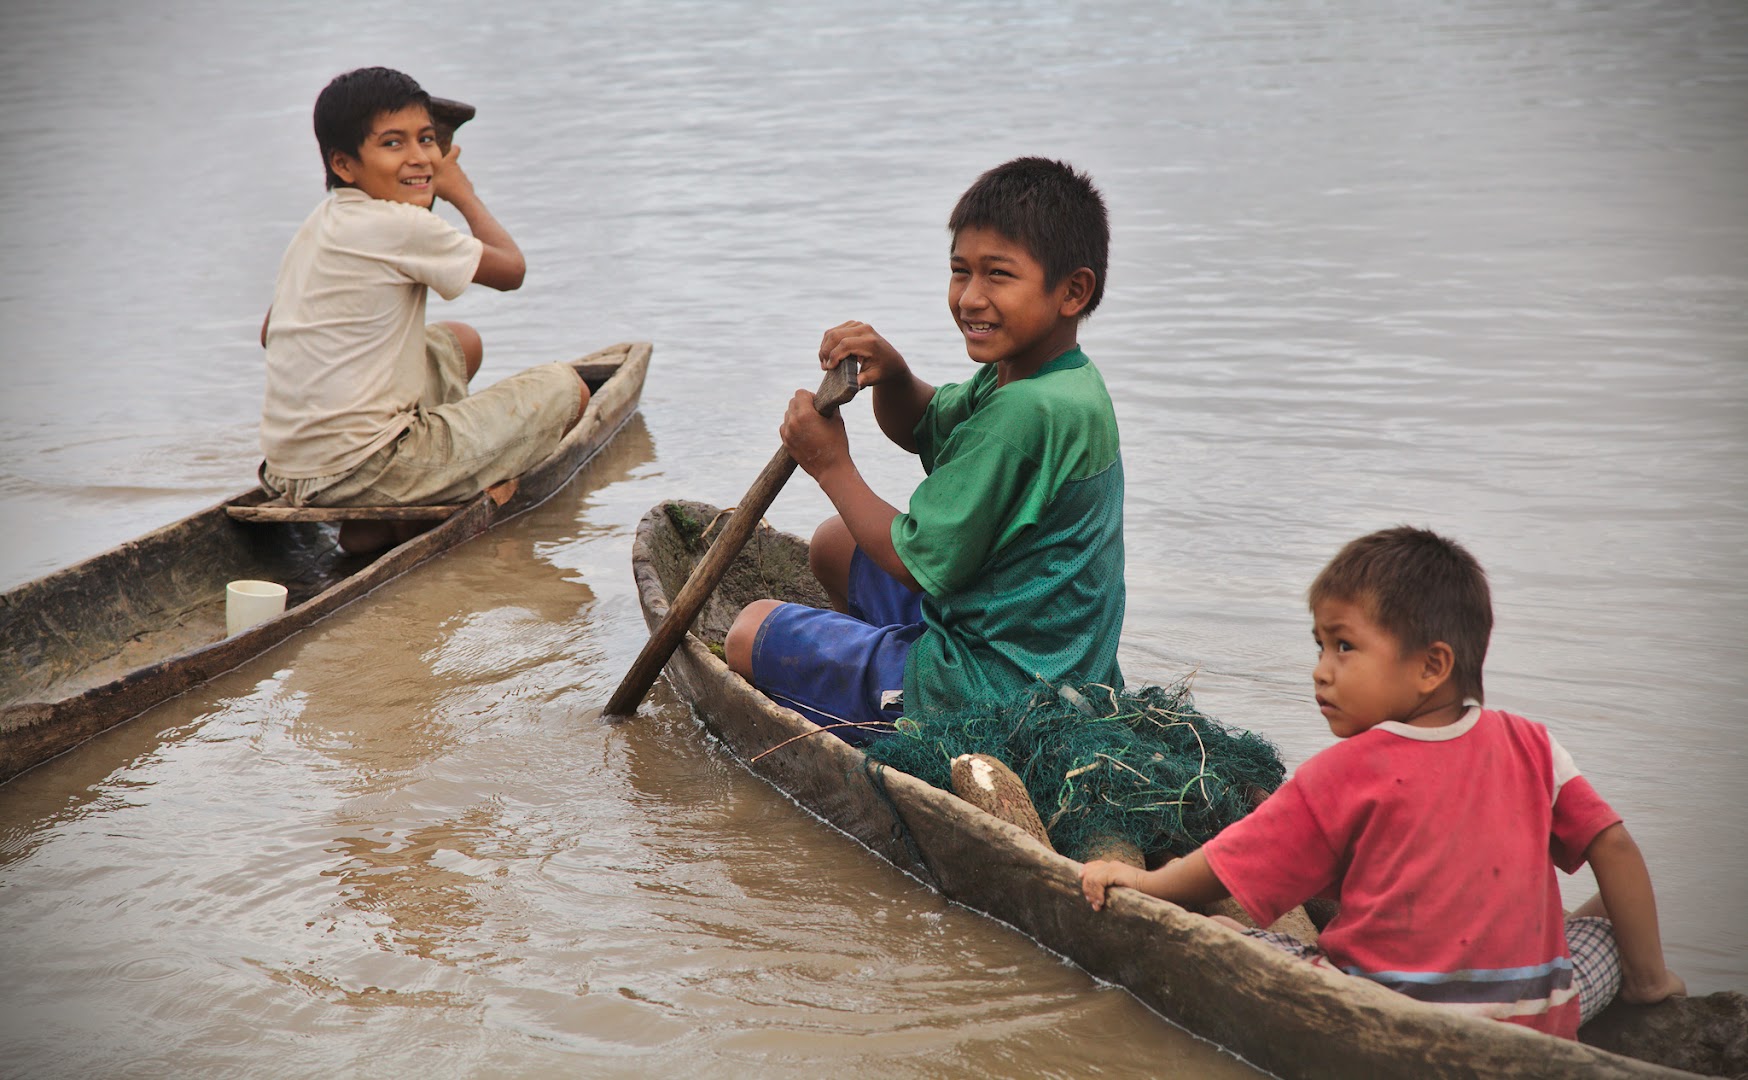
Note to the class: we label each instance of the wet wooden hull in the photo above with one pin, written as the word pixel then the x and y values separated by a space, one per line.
pixel 1278 1013
pixel 97 643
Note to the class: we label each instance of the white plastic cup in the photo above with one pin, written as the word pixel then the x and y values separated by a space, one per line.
pixel 251 602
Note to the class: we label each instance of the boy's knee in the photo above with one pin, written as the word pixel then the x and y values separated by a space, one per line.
pixel 737 647
pixel 582 402
pixel 473 347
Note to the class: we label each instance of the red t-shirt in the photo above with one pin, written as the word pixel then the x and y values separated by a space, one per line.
pixel 1440 844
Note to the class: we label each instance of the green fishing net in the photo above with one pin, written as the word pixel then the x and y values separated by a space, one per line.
pixel 1145 766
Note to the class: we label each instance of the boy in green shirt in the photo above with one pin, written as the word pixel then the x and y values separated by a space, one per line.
pixel 1008 565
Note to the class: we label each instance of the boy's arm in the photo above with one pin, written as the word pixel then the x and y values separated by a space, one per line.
pixel 900 398
pixel 1625 884
pixel 501 265
pixel 819 445
pixel 1189 881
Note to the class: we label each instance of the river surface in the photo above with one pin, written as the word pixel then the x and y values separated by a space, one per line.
pixel 1476 265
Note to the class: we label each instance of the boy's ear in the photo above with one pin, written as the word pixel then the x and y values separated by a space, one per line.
pixel 1078 292
pixel 345 166
pixel 1437 663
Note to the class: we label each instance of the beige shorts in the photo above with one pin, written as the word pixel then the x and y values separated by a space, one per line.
pixel 458 444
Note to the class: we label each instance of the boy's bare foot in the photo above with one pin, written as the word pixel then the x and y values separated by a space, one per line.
pixel 370 537
pixel 502 491
pixel 364 537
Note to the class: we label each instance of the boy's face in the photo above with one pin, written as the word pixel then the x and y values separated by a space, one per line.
pixel 398 159
pixel 999 300
pixel 1362 677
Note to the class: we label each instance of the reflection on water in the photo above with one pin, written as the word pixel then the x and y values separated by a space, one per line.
pixel 1480 266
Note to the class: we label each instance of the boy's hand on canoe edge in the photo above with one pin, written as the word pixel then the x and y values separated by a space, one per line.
pixel 1097 877
pixel 1670 985
pixel 880 361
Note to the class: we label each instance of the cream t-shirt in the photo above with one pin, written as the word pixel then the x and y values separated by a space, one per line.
pixel 346 337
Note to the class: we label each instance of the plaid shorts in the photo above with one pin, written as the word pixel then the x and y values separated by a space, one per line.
pixel 1596 960
pixel 1287 943
pixel 1596 964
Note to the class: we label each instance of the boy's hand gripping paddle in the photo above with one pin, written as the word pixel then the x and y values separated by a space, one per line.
pixel 838 387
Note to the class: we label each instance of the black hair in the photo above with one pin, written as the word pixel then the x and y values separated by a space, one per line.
pixel 346 107
pixel 1055 212
pixel 1420 588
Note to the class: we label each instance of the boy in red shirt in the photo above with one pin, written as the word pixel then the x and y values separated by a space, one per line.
pixel 1436 823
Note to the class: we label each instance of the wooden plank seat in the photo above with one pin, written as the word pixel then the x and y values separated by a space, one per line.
pixel 276 510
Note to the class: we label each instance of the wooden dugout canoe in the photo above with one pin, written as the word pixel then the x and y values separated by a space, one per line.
pixel 1283 1015
pixel 102 641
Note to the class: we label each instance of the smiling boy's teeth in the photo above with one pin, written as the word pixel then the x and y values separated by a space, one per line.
pixel 980 326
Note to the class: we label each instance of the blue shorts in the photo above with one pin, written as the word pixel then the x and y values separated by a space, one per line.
pixel 838 669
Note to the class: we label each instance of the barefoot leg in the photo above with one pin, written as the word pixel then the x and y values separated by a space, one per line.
pixel 473 347
pixel 369 537
pixel 737 648
pixel 582 402
pixel 829 558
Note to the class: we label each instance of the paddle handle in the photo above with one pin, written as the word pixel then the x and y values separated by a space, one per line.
pixel 838 387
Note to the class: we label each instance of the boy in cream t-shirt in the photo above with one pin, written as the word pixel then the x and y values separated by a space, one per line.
pixel 366 405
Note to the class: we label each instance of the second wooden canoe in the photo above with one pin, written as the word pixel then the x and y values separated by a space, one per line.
pixel 92 645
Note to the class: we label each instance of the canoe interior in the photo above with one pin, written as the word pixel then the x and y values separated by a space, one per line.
pixel 157 596
pixel 163 595
pixel 770 566
pixel 1279 1013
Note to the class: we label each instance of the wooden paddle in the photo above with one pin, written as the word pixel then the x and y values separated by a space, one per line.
pixel 838 387
pixel 446 116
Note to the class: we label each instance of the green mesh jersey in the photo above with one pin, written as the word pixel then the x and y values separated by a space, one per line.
pixel 1016 536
